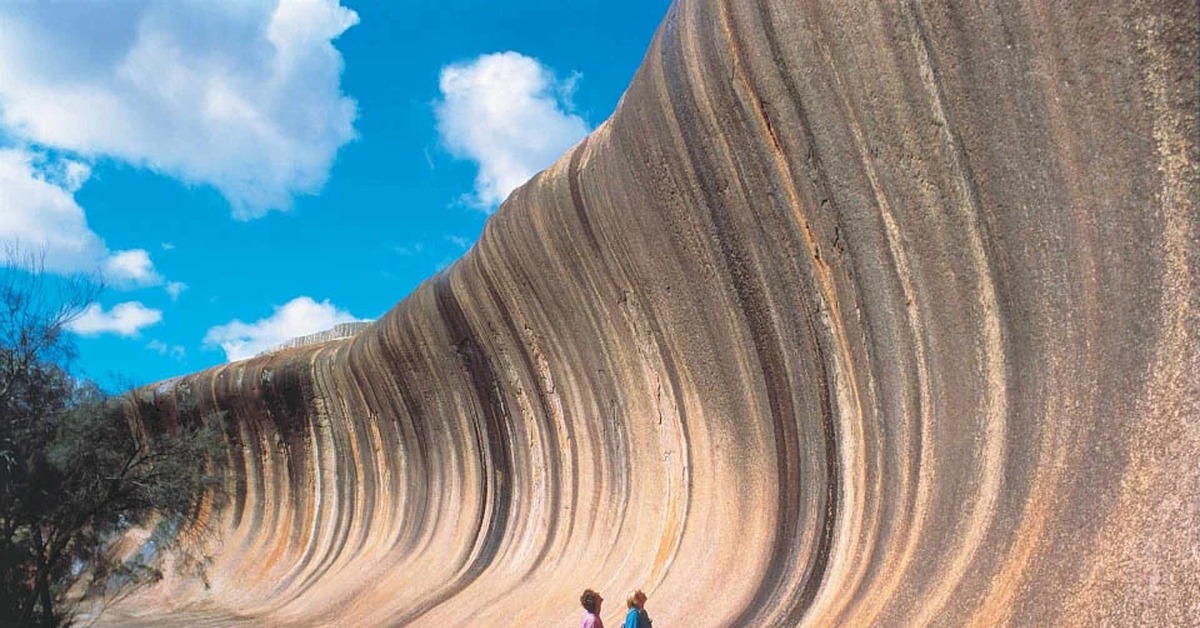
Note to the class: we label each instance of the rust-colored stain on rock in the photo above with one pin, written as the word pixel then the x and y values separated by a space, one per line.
pixel 852 314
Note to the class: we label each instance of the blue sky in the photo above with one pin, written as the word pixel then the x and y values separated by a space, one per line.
pixel 240 173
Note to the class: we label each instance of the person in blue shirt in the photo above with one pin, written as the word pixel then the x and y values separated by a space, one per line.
pixel 637 617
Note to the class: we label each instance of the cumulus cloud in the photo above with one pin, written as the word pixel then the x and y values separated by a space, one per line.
pixel 175 288
pixel 299 317
pixel 39 214
pixel 243 96
pixel 124 319
pixel 176 352
pixel 132 267
pixel 508 113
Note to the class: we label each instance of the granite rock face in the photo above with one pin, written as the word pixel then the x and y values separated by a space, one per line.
pixel 852 314
pixel 341 330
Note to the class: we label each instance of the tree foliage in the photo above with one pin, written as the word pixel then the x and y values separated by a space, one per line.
pixel 74 473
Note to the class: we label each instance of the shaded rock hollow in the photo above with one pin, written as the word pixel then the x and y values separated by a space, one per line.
pixel 883 314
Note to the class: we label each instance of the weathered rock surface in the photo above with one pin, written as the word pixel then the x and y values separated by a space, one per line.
pixel 341 330
pixel 852 314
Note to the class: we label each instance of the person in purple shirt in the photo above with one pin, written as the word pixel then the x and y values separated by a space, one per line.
pixel 637 617
pixel 591 602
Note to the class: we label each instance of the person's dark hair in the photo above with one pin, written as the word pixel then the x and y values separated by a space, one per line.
pixel 588 599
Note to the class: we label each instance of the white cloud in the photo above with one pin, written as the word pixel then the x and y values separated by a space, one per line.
pixel 131 267
pixel 243 96
pixel 39 214
pixel 298 317
pixel 177 352
pixel 509 114
pixel 124 319
pixel 175 288
pixel 410 250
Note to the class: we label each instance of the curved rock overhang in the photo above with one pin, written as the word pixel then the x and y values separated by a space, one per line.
pixel 852 314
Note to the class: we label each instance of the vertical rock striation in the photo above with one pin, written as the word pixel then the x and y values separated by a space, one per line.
pixel 852 314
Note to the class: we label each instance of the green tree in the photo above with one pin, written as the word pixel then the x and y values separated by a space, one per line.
pixel 75 474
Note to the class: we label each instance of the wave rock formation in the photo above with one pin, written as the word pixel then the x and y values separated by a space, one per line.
pixel 851 314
